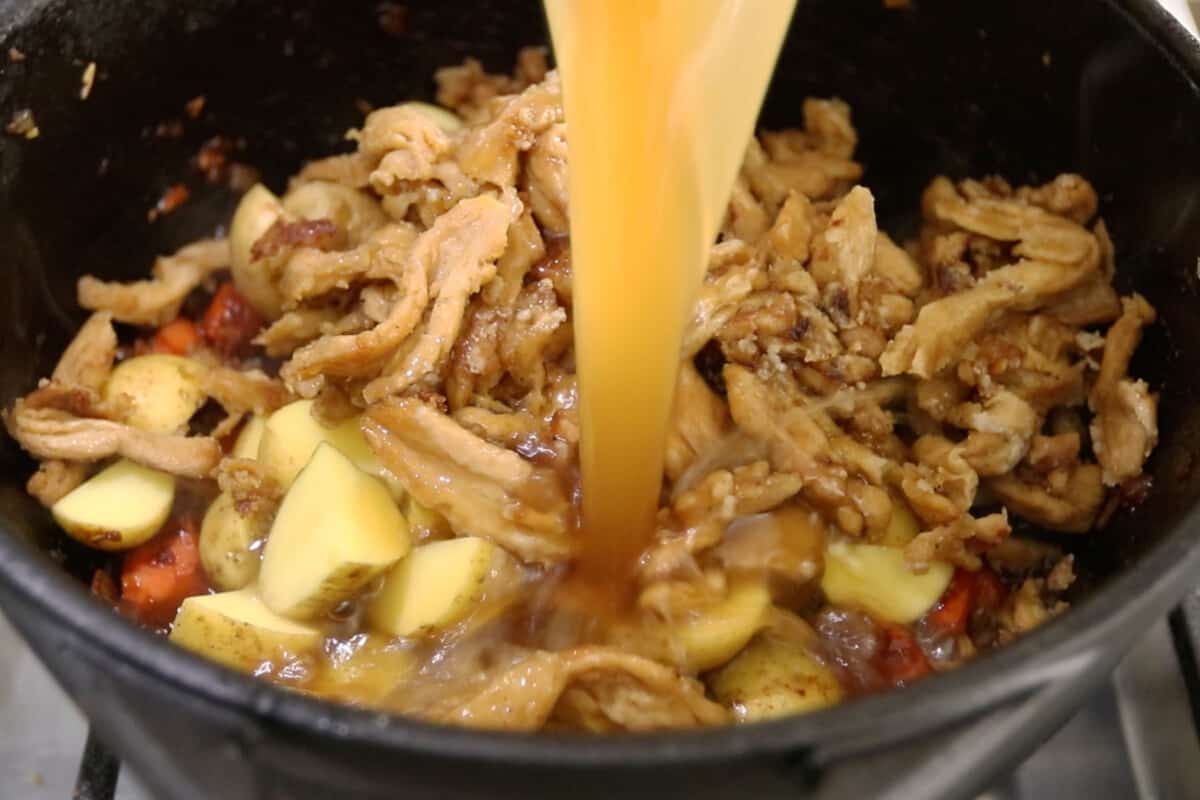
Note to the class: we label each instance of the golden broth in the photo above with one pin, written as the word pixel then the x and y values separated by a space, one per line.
pixel 661 98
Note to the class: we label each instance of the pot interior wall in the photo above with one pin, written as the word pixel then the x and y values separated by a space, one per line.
pixel 1026 90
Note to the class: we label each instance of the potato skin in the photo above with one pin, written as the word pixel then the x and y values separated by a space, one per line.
pixel 437 585
pixel 161 391
pixel 258 211
pixel 119 508
pixel 337 529
pixel 775 677
pixel 229 549
pixel 236 629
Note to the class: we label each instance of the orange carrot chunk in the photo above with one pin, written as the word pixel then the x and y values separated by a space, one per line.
pixel 902 660
pixel 951 613
pixel 178 337
pixel 160 574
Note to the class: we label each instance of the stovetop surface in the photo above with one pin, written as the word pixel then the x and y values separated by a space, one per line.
pixel 41 732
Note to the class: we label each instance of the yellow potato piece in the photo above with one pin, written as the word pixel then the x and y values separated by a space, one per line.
pixel 424 522
pixel 161 391
pixel 877 580
pixel 337 529
pixel 445 119
pixel 258 211
pixel 774 677
pixel 437 585
pixel 292 434
pixel 717 633
pixel 238 630
pixel 120 507
pixel 903 526
pixel 250 438
pixel 227 545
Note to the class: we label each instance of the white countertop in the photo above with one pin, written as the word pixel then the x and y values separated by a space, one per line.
pixel 1182 12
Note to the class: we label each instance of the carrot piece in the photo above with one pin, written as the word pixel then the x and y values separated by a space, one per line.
pixel 902 660
pixel 230 322
pixel 158 575
pixel 178 337
pixel 951 613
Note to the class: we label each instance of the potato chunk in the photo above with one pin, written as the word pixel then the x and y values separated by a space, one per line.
pixel 437 585
pixel 258 211
pixel 250 438
pixel 292 434
pixel 774 677
pixel 337 529
pixel 238 630
pixel 878 580
pixel 120 507
pixel 228 549
pixel 424 522
pixel 903 527
pixel 161 391
pixel 715 634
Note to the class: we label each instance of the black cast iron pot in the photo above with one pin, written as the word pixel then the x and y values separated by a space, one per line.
pixel 1025 88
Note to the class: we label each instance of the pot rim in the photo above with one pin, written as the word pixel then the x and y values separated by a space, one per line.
pixel 1058 650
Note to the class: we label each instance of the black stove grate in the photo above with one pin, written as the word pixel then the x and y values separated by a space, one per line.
pixel 1185 632
pixel 1137 725
pixel 98 772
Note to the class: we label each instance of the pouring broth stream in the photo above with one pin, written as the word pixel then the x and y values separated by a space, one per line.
pixel 661 97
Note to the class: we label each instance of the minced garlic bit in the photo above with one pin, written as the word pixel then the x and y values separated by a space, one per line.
pixel 23 124
pixel 88 80
pixel 16 56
